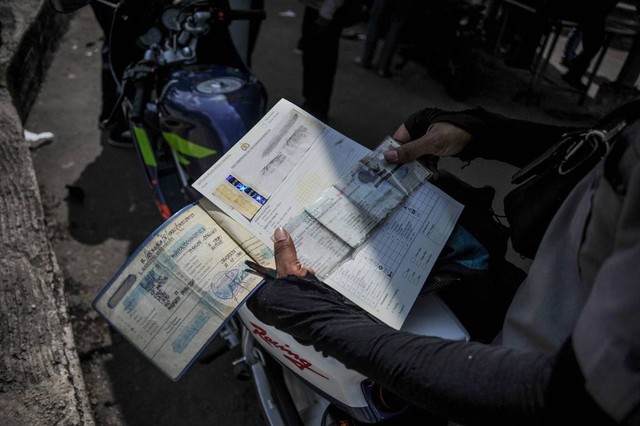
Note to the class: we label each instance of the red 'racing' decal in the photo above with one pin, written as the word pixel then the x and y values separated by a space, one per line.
pixel 296 359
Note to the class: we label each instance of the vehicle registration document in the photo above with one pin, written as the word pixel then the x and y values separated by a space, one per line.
pixel 371 230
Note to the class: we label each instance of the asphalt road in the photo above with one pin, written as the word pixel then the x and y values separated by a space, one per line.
pixel 99 208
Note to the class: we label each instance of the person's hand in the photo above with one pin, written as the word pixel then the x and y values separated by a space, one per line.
pixel 287 262
pixel 441 139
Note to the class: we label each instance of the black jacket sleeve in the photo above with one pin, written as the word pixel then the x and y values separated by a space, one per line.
pixel 495 137
pixel 466 382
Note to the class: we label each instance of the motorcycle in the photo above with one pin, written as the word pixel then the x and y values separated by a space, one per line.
pixel 190 97
pixel 187 104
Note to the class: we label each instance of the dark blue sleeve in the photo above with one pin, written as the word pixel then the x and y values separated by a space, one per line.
pixel 495 137
pixel 466 382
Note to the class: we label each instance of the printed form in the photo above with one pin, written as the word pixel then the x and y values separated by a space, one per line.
pixel 178 289
pixel 371 230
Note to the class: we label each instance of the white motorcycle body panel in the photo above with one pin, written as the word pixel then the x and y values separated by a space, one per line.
pixel 429 316
pixel 324 373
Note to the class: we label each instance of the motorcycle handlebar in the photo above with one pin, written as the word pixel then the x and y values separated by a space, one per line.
pixel 141 87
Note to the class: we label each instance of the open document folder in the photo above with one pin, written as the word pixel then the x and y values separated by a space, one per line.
pixel 371 230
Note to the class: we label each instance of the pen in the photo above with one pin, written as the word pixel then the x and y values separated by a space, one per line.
pixel 261 270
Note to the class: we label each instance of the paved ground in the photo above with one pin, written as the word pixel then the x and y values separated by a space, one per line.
pixel 99 208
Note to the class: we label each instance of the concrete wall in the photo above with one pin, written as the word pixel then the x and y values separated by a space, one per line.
pixel 40 377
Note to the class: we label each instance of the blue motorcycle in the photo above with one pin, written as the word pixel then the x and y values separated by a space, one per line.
pixel 190 96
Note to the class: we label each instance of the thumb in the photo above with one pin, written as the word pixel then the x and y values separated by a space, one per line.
pixel 287 262
pixel 407 152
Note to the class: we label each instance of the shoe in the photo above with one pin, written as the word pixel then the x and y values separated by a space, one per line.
pixel 121 139
pixel 574 81
pixel 36 140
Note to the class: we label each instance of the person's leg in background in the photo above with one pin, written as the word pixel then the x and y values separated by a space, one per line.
pixel 254 30
pixel 397 19
pixel 119 49
pixel 574 38
pixel 104 16
pixel 375 28
pixel 319 62
pixel 525 43
pixel 592 22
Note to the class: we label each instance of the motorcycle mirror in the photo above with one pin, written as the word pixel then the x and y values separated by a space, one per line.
pixel 68 6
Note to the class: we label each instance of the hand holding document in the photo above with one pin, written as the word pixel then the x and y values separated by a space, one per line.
pixel 332 227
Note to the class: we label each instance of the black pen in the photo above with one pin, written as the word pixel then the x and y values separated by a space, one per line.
pixel 261 270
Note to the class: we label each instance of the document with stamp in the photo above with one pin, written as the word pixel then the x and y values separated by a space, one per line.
pixel 351 214
pixel 371 230
pixel 178 289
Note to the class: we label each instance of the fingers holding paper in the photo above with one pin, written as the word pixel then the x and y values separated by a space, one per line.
pixel 287 262
pixel 441 139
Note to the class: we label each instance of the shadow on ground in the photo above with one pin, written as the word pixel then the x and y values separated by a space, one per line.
pixel 108 202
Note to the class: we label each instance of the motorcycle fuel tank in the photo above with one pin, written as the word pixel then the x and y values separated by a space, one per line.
pixel 205 110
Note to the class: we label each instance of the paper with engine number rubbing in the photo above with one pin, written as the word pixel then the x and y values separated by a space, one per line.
pixel 385 275
pixel 176 292
pixel 349 210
